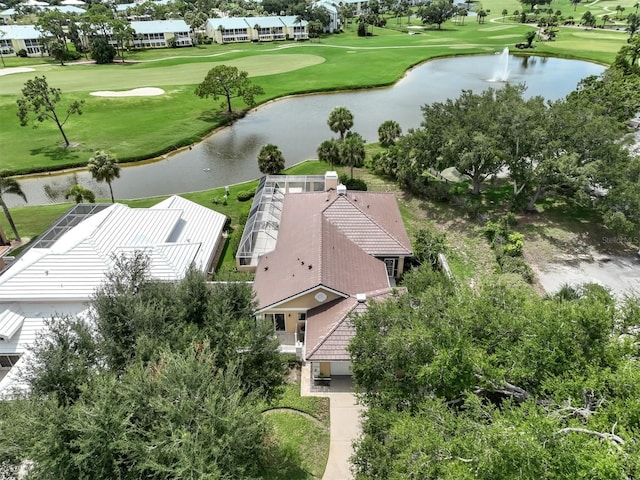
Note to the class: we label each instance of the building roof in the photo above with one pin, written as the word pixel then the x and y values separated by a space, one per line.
pixel 329 328
pixel 230 23
pixel 62 8
pixel 264 22
pixel 330 240
pixel 372 221
pixel 160 26
pixel 174 233
pixel 59 274
pixel 293 21
pixel 20 32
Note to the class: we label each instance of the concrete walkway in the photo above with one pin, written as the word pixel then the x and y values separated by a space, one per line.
pixel 345 426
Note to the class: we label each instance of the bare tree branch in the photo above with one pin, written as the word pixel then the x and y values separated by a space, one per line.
pixel 605 436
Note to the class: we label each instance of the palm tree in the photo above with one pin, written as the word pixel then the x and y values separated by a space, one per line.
pixel 340 120
pixel 329 151
pixel 388 132
pixel 352 151
pixel 270 160
pixel 605 19
pixel 80 194
pixel 103 168
pixel 10 186
pixel 633 24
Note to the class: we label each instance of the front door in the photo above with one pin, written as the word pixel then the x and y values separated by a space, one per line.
pixel 391 264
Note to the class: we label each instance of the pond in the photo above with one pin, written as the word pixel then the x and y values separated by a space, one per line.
pixel 297 125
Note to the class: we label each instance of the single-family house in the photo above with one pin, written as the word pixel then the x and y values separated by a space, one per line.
pixel 59 274
pixel 14 38
pixel 334 250
pixel 157 33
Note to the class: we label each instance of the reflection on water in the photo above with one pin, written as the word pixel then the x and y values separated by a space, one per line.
pixel 298 125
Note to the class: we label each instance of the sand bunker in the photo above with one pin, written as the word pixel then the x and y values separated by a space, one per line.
pixel 9 71
pixel 136 92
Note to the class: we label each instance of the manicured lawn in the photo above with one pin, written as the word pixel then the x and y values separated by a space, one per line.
pixel 303 446
pixel 135 128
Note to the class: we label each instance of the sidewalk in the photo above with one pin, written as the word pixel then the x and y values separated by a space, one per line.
pixel 345 426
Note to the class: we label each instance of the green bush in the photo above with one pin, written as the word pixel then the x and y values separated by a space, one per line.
pixel 246 195
pixel 234 240
pixel 22 53
pixel 427 244
pixel 514 245
pixel 439 192
pixel 516 265
pixel 356 184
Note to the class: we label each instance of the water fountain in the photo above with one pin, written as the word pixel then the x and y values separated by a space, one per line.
pixel 501 74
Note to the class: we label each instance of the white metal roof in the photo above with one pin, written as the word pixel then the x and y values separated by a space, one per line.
pixel 10 322
pixel 20 32
pixel 174 233
pixel 160 26
pixel 264 22
pixel 61 278
pixel 20 343
pixel 293 21
pixel 230 23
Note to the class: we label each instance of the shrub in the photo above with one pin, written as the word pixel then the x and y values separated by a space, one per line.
pixel 439 192
pixel 427 245
pixel 172 42
pixel 516 265
pixel 514 245
pixel 355 184
pixel 246 195
pixel 234 240
pixel 22 53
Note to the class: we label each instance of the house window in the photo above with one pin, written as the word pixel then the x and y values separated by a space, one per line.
pixel 302 317
pixel 8 361
pixel 279 322
pixel 277 319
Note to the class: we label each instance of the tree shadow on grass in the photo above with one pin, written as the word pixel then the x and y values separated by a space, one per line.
pixel 285 464
pixel 220 117
pixel 56 153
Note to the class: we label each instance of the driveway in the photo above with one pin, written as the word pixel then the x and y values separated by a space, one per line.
pixel 345 423
pixel 619 274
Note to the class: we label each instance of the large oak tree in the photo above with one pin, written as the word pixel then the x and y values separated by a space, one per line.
pixel 229 83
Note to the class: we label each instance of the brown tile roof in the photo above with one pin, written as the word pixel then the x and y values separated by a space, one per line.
pixel 327 240
pixel 330 329
pixel 372 221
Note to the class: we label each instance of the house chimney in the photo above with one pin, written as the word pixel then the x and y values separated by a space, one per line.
pixel 361 297
pixel 342 190
pixel 330 181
